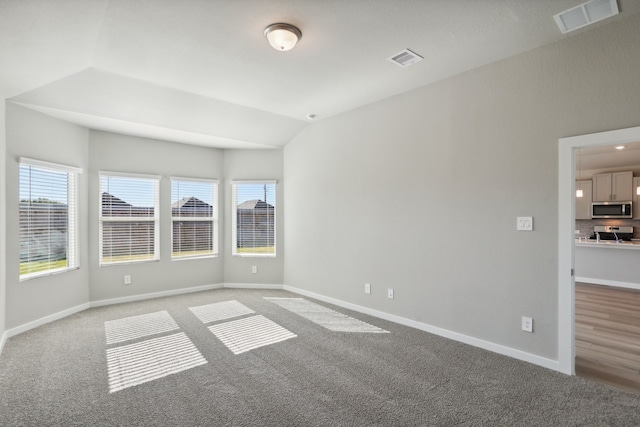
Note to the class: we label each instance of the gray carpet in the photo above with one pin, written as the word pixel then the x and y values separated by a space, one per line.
pixel 58 375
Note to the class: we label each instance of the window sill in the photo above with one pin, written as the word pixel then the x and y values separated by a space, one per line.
pixel 112 264
pixel 186 258
pixel 31 276
pixel 254 255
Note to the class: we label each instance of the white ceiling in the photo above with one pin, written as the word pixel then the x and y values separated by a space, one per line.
pixel 608 157
pixel 201 71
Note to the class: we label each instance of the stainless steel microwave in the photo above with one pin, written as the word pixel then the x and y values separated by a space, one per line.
pixel 611 210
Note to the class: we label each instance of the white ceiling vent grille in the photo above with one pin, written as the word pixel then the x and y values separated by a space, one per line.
pixel 586 14
pixel 405 58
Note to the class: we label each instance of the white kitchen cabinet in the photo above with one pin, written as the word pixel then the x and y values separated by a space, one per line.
pixel 636 198
pixel 615 186
pixel 583 204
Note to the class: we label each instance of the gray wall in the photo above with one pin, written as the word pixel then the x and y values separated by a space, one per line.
pixel 607 264
pixel 420 192
pixel 3 216
pixel 35 135
pixel 258 165
pixel 119 153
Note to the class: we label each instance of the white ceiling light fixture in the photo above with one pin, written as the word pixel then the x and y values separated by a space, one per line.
pixel 579 192
pixel 282 36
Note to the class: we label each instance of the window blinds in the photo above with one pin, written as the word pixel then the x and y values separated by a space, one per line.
pixel 253 218
pixel 194 217
pixel 48 218
pixel 129 212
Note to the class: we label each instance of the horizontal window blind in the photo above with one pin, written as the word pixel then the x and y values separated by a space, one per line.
pixel 254 218
pixel 129 212
pixel 194 218
pixel 48 218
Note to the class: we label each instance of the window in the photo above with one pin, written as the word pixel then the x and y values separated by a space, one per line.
pixel 48 218
pixel 129 226
pixel 194 218
pixel 254 218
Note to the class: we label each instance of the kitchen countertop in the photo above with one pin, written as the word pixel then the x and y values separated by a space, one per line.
pixel 634 244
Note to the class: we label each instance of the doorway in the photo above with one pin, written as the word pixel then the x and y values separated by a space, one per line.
pixel 566 223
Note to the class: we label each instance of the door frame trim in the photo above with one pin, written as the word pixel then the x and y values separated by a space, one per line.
pixel 566 225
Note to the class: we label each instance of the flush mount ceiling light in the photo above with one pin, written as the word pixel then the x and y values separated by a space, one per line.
pixel 282 37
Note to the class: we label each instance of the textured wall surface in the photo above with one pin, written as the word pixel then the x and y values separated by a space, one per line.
pixel 35 135
pixel 119 153
pixel 420 192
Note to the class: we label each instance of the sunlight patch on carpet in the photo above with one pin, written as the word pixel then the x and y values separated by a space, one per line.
pixel 323 316
pixel 220 311
pixel 134 327
pixel 138 363
pixel 246 334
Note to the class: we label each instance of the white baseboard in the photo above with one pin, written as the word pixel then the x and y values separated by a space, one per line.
pixel 617 284
pixel 476 342
pixel 152 295
pixel 44 320
pixel 3 339
pixel 34 324
pixel 251 286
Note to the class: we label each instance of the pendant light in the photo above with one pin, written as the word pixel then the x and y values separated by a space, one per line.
pixel 282 37
pixel 579 189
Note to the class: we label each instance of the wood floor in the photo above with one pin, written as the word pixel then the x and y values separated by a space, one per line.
pixel 608 335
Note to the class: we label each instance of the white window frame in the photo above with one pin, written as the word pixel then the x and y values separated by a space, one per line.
pixel 72 248
pixel 106 219
pixel 234 219
pixel 213 219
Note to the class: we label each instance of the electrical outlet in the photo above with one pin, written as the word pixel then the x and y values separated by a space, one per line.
pixel 254 269
pixel 527 324
pixel 525 223
pixel 390 293
pixel 127 279
pixel 367 288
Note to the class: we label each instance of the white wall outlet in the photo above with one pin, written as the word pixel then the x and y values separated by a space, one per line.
pixel 254 269
pixel 525 223
pixel 127 279
pixel 390 293
pixel 367 288
pixel 527 324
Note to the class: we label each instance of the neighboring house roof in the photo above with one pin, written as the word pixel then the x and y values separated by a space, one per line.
pixel 113 206
pixel 254 204
pixel 108 199
pixel 189 202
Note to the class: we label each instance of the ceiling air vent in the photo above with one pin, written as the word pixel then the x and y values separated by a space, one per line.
pixel 405 58
pixel 586 14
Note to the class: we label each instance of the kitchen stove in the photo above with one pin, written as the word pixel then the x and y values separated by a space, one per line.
pixel 609 232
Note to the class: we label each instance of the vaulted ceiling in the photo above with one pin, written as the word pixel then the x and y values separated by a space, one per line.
pixel 202 72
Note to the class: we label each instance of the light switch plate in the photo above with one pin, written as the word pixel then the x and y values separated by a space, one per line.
pixel 525 223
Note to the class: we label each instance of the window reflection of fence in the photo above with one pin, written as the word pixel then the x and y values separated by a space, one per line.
pixel 193 227
pixel 192 236
pixel 255 225
pixel 123 238
pixel 43 231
